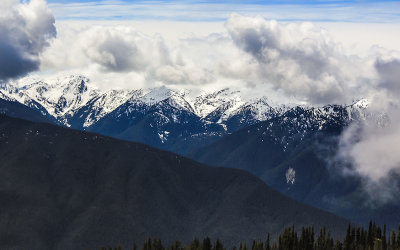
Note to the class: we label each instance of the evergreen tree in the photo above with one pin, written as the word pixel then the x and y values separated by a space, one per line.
pixel 357 238
pixel 384 242
pixel 378 244
pixel 398 239
pixel 207 244
pixel 338 245
pixel 348 240
pixel 267 243
pixel 147 245
pixel 218 245
pixel 392 241
pixel 195 245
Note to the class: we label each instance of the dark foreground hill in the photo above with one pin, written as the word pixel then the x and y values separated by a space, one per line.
pixel 66 189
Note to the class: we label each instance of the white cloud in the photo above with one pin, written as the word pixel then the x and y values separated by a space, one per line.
pixel 372 146
pixel 297 58
pixel 25 29
pixel 301 59
pixel 109 50
pixel 389 72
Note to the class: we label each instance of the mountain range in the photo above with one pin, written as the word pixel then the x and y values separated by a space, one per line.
pixel 178 121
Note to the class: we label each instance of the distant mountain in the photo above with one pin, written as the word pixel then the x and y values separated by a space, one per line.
pixel 295 154
pixel 177 121
pixel 161 117
pixel 257 147
pixel 66 189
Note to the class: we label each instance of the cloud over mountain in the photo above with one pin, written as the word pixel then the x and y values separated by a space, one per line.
pixel 389 72
pixel 25 29
pixel 122 53
pixel 299 58
pixel 122 49
pixel 372 145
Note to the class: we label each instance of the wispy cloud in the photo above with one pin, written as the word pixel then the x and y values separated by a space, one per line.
pixel 317 10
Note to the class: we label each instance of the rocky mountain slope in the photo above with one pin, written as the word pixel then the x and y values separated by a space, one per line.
pixel 296 154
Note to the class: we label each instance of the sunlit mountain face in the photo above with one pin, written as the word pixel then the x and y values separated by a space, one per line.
pixel 127 120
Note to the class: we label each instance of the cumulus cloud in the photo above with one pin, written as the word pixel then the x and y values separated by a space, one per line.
pixel 109 50
pixel 119 49
pixel 299 58
pixel 25 29
pixel 122 49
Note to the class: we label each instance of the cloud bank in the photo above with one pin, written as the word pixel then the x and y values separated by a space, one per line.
pixel 120 51
pixel 25 29
pixel 298 59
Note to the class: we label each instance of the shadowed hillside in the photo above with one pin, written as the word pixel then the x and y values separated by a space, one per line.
pixel 66 189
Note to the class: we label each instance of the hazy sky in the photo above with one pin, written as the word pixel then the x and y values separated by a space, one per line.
pixel 186 10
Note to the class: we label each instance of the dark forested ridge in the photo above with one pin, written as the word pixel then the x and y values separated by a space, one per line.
pixel 356 238
pixel 68 189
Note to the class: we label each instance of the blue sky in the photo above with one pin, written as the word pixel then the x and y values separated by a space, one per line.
pixel 236 2
pixel 385 11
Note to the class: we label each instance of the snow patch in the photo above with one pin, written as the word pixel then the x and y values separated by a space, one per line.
pixel 290 176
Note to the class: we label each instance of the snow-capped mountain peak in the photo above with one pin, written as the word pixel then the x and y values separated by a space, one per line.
pixel 168 114
pixel 61 98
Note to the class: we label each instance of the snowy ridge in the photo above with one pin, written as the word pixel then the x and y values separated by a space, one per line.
pixel 63 98
pixel 167 114
pixel 106 103
pixel 209 102
pixel 301 121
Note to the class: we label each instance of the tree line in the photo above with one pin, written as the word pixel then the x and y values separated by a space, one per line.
pixel 357 238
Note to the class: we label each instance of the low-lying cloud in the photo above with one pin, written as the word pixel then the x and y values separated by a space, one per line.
pixel 372 146
pixel 25 29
